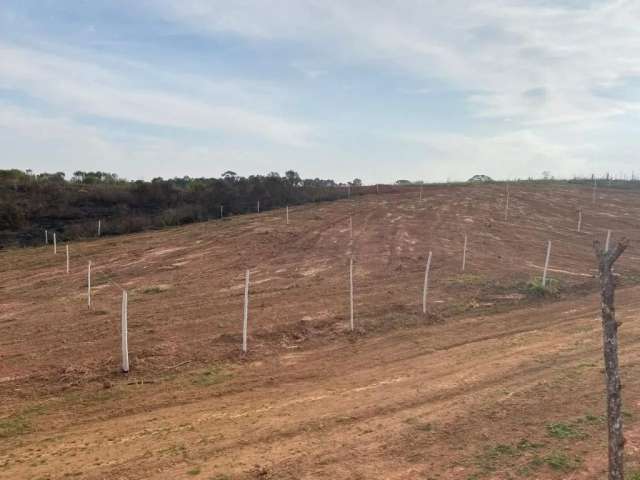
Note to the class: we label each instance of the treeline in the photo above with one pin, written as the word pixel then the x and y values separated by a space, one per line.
pixel 31 203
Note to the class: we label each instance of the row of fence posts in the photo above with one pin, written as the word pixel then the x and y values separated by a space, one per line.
pixel 506 211
pixel 124 329
pixel 124 310
pixel 55 249
pixel 424 290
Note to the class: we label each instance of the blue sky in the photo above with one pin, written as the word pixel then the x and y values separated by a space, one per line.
pixel 377 90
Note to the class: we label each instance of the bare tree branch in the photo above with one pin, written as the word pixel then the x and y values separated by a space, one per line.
pixel 612 255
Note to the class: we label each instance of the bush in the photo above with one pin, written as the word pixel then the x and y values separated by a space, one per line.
pixel 535 288
pixel 10 217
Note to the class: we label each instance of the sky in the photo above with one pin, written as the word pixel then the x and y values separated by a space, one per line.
pixel 378 90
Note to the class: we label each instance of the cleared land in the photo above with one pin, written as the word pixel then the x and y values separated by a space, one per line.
pixel 493 383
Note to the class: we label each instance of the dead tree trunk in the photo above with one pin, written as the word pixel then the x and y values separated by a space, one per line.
pixel 606 259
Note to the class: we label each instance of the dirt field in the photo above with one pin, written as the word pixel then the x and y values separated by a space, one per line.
pixel 494 382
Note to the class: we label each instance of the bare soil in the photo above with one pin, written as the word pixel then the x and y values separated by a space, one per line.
pixel 494 382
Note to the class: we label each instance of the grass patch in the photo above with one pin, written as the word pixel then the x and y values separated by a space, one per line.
pixel 492 457
pixel 458 308
pixel 91 398
pixel 466 279
pixel 503 456
pixel 631 278
pixel 524 445
pixel 154 289
pixel 211 376
pixel 417 424
pixel 19 423
pixel 559 461
pixel 174 450
pixel 14 426
pixel 590 418
pixel 563 430
pixel 423 427
pixel 194 471
pixel 534 288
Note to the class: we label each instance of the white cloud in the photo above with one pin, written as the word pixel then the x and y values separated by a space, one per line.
pixel 534 71
pixel 509 155
pixel 82 87
pixel 498 49
pixel 66 145
pixel 535 76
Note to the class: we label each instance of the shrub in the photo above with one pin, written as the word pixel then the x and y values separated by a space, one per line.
pixel 535 288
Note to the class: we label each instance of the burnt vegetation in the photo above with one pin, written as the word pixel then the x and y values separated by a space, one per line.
pixel 31 203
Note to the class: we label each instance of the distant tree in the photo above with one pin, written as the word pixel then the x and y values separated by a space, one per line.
pixel 11 217
pixel 480 179
pixel 293 178
pixel 356 182
pixel 57 177
pixel 403 182
pixel 78 176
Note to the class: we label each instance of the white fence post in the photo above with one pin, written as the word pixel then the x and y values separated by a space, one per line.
pixel 594 189
pixel 246 312
pixel 258 206
pixel 351 228
pixel 89 285
pixel 221 211
pixel 67 245
pixel 579 220
pixel 506 208
pixel 287 214
pixel 351 324
pixel 546 265
pixel 426 284
pixel 421 192
pixel 46 237
pixel 55 244
pixel 608 241
pixel 464 253
pixel 99 227
pixel 125 334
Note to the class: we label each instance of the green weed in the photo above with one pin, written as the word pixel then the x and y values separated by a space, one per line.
pixel 535 288
pixel 562 430
pixel 155 289
pixel 466 279
pixel 14 426
pixel 561 462
pixel 19 423
pixel 211 376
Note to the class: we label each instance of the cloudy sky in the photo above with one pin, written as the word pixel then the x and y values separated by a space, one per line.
pixel 379 90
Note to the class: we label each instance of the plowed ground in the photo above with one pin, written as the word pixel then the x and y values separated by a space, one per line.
pixel 493 382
